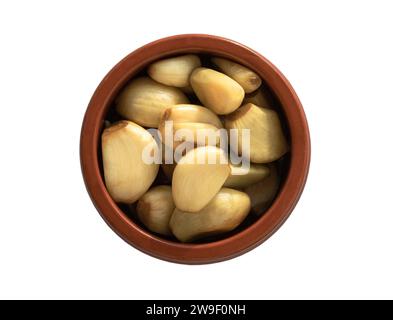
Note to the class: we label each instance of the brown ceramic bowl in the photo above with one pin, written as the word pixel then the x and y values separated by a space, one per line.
pixel 252 233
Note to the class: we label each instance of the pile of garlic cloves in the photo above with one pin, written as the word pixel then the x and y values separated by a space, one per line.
pixel 197 200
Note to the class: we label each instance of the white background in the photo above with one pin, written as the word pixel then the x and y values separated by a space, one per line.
pixel 338 243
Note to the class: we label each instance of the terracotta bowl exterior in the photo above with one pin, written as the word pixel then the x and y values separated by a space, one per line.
pixel 239 243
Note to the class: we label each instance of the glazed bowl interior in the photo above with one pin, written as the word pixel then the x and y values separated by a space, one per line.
pixel 293 167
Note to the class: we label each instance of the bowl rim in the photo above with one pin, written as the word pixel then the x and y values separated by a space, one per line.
pixel 238 243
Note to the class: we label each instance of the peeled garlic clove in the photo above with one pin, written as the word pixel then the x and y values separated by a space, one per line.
pixel 127 176
pixel 174 71
pixel 192 113
pixel 216 90
pixel 222 214
pixel 242 177
pixel 155 209
pixel 144 100
pixel 194 121
pixel 198 177
pixel 262 193
pixel 201 134
pixel 261 98
pixel 267 141
pixel 247 78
